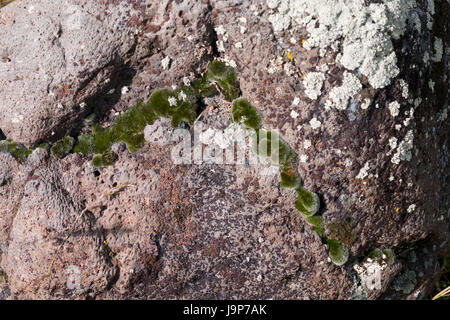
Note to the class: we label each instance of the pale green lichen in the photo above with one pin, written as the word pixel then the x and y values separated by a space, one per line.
pixel 405 282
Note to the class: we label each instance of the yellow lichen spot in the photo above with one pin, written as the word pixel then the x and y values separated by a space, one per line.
pixel 289 55
pixel 303 40
pixel 396 210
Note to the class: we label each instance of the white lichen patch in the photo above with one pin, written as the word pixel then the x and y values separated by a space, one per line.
pixel 220 30
pixel 306 143
pixel 363 31
pixel 324 68
pixel 314 123
pixel 365 104
pixel 182 96
pixel 279 22
pixel 238 45
pixel 431 84
pixel 186 81
pixel 220 46
pixel 404 149
pixel 340 95
pixel 165 63
pixel 411 208
pixel 296 101
pixel 275 65
pixel 230 62
pixel 172 101
pixel 124 90
pixel 313 82
pixel 363 172
pixel 438 50
pixel 294 114
pixel 393 142
pixel 394 108
pixel 303 158
pixel 348 162
pixel 405 90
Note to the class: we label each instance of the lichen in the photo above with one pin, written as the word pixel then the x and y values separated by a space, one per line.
pixel 313 82
pixel 363 31
pixel 405 282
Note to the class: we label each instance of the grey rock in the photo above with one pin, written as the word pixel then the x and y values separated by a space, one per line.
pixel 147 228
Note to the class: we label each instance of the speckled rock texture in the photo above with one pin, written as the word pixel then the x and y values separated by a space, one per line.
pixel 146 228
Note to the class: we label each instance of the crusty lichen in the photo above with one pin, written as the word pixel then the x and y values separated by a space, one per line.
pixel 364 32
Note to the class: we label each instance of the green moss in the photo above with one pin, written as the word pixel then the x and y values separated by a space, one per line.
pixel 269 144
pixel 17 150
pixel 204 87
pixel 307 203
pixel 85 145
pixel 103 138
pixel 90 118
pixel 337 251
pixel 385 255
pixel 134 142
pixel 341 230
pixel 289 178
pixel 44 146
pixel 103 160
pixel 317 223
pixel 62 147
pixel 225 77
pixel 243 111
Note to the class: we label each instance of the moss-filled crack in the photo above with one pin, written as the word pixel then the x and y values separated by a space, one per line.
pixel 181 105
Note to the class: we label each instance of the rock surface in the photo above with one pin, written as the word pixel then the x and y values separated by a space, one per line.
pixel 149 228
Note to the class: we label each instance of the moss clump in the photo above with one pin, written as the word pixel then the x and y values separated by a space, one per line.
pixel 204 88
pixel 85 145
pixel 106 159
pixel 269 144
pixel 225 77
pixel 17 150
pixel 90 118
pixel 43 145
pixel 62 147
pixel 179 104
pixel 317 223
pixel 341 230
pixel 289 178
pixel 307 203
pixel 337 251
pixel 243 111
pixel 382 256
